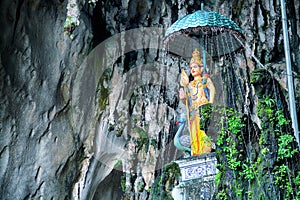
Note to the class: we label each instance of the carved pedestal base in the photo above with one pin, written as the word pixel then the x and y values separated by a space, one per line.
pixel 197 180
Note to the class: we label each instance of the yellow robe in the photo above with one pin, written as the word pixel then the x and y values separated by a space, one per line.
pixel 200 142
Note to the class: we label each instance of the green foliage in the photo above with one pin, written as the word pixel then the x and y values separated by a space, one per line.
pixel 69 22
pixel 140 186
pixel 143 140
pixel 266 108
pixel 276 120
pixel 256 75
pixel 282 179
pixel 250 171
pixel 222 195
pixel 285 146
pixel 123 183
pixel 164 184
pixel 229 143
pixel 249 194
pixel 235 123
pixel 218 177
pixel 231 126
pixel 233 162
pixel 221 134
pixel 281 120
pixel 297 185
pixel 268 101
pixel 118 164
pixel 239 193
pixel 172 171
pixel 69 25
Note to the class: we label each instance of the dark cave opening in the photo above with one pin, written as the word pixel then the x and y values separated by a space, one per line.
pixel 99 24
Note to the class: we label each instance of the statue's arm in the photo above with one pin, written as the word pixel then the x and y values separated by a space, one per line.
pixel 184 81
pixel 182 95
pixel 212 90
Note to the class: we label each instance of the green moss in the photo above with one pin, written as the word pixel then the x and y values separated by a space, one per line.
pixel 123 183
pixel 142 133
pixel 140 186
pixel 164 183
pixel 143 140
pixel 154 143
pixel 119 132
pixel 103 89
pixel 118 164
pixel 297 185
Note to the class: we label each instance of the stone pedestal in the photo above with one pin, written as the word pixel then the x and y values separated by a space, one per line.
pixel 197 180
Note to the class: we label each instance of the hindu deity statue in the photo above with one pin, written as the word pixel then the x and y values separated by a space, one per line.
pixel 198 95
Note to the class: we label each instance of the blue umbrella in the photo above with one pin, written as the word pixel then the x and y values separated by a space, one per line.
pixel 210 31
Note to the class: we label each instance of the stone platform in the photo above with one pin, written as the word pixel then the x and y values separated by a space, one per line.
pixel 197 180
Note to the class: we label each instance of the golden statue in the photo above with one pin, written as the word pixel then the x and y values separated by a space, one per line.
pixel 198 95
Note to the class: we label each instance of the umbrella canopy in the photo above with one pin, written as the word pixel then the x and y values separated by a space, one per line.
pixel 211 30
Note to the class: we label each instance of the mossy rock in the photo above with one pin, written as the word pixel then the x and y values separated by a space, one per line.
pixel 163 185
pixel 103 89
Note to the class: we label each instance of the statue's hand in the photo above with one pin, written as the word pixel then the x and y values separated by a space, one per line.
pixel 184 81
pixel 181 94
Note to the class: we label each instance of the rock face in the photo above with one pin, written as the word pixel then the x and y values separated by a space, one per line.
pixel 74 119
pixel 40 146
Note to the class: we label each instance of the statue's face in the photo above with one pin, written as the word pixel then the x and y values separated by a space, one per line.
pixel 196 70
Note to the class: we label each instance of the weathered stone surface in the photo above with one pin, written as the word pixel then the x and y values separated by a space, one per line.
pixel 197 177
pixel 61 120
pixel 41 151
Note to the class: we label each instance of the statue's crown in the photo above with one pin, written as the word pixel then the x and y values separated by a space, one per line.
pixel 196 58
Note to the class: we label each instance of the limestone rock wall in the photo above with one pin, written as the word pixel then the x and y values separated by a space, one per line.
pixel 62 116
pixel 41 150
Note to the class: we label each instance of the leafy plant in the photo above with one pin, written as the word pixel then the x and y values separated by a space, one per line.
pixel 285 146
pixel 281 118
pixel 251 171
pixel 281 179
pixel 297 185
pixel 221 195
pixel 123 183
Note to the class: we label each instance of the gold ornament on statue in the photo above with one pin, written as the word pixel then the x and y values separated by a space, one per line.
pixel 196 59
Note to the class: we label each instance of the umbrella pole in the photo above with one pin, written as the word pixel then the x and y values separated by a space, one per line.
pixel 203 43
pixel 203 52
pixel 188 113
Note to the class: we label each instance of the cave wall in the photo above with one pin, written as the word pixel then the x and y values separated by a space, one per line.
pixel 56 109
pixel 41 151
